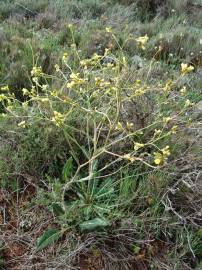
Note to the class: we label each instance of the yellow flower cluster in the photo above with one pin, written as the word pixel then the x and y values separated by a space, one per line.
pixel 161 157
pixel 188 103
pixel 99 82
pixel 3 97
pixel 75 80
pixel 185 68
pixel 58 118
pixel 140 91
pixel 157 132
pixel 137 146
pixel 5 88
pixel 168 86
pixel 174 129
pixel 129 157
pixel 166 119
pixel 183 90
pixel 142 41
pixel 86 63
pixel 36 71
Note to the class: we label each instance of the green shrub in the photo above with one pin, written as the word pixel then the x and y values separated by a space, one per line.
pixel 97 116
pixel 94 132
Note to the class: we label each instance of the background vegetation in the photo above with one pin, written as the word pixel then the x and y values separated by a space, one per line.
pixel 100 134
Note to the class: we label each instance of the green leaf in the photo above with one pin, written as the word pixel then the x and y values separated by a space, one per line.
pixel 67 169
pixel 57 209
pixel 49 237
pixel 94 224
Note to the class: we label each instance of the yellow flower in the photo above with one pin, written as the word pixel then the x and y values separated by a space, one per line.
pixel 75 80
pixel 33 90
pixel 36 71
pixel 5 88
pixel 54 93
pixel 185 68
pixel 57 68
pixel 22 124
pixel 166 119
pixel 70 84
pixel 98 80
pixel 3 97
pixel 84 62
pixel 168 86
pixel 140 92
pixel 129 125
pixel 142 41
pixel 137 146
pixel 36 80
pixel 166 151
pixel 108 29
pixel 25 92
pixel 137 82
pixel 129 157
pixel 65 57
pixel 158 158
pixel 107 50
pixel 183 90
pixel 45 87
pixel 119 126
pixel 96 57
pixel 74 76
pixel 157 132
pixel 110 65
pixel 188 103
pixel 161 157
pixel 44 100
pixel 174 129
pixel 58 118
